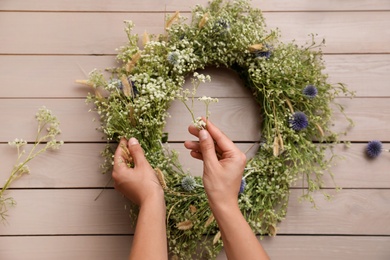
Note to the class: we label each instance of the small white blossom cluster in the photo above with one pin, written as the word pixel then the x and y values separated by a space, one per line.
pixel 17 143
pixel 46 122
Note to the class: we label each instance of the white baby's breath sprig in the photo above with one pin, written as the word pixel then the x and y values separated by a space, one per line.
pixel 47 131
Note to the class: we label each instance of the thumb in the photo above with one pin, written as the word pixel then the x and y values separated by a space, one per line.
pixel 207 148
pixel 136 152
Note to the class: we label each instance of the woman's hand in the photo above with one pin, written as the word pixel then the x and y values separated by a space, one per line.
pixel 224 164
pixel 138 184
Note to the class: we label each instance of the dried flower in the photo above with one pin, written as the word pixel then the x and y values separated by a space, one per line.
pixel 242 186
pixel 299 121
pixel 310 91
pixel 173 58
pixel 374 148
pixel 188 183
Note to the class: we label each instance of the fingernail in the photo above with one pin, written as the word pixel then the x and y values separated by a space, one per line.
pixel 133 141
pixel 203 135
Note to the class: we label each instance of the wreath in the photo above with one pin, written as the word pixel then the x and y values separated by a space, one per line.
pixel 287 82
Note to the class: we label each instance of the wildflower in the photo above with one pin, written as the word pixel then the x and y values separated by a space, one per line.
pixel 299 121
pixel 242 186
pixel 310 91
pixel 173 58
pixel 265 52
pixel 374 148
pixel 221 27
pixel 188 183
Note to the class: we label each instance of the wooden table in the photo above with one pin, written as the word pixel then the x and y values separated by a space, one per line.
pixel 46 44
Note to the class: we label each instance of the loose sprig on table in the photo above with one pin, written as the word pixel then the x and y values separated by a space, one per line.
pixel 48 130
pixel 286 80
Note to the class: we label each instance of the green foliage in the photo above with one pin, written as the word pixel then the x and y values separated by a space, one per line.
pixel 232 35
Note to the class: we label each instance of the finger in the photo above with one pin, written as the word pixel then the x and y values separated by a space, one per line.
pixel 223 142
pixel 192 145
pixel 196 155
pixel 119 161
pixel 193 130
pixel 136 152
pixel 207 148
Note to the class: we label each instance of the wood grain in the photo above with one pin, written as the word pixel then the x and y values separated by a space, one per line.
pixel 53 76
pixel 69 211
pixel 173 5
pixel 117 247
pixel 79 33
pixel 74 211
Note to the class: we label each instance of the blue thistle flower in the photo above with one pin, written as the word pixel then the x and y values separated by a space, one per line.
pixel 135 90
pixel 310 91
pixel 242 186
pixel 264 53
pixel 221 27
pixel 374 148
pixel 188 183
pixel 299 121
pixel 173 57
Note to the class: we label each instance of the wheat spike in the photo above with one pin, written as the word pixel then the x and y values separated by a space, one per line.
pixel 272 230
pixel 281 144
pixel 127 88
pixel 203 21
pixel 84 82
pixel 320 130
pixel 276 146
pixel 289 105
pixel 172 19
pixel 185 225
pixel 216 237
pixel 193 209
pixel 160 177
pixel 255 47
pixel 145 38
pixel 209 220
pixel 131 64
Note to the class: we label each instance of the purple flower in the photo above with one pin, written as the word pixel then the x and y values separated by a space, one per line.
pixel 374 148
pixel 242 186
pixel 310 91
pixel 264 53
pixel 299 121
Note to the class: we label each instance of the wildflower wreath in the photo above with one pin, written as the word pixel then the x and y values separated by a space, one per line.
pixel 286 80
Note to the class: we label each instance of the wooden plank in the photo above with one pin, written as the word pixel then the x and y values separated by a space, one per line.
pixel 370 115
pixel 65 247
pixel 173 5
pixel 324 248
pixel 117 247
pixel 349 212
pixel 69 211
pixel 74 212
pixel 81 33
pixel 77 166
pixel 367 75
pixel 72 166
pixel 69 33
pixel 53 76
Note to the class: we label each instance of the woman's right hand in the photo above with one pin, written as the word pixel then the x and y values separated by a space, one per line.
pixel 224 164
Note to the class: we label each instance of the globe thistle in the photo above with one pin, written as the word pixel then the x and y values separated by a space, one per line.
pixel 265 53
pixel 221 27
pixel 173 58
pixel 242 186
pixel 299 121
pixel 374 148
pixel 310 91
pixel 188 183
